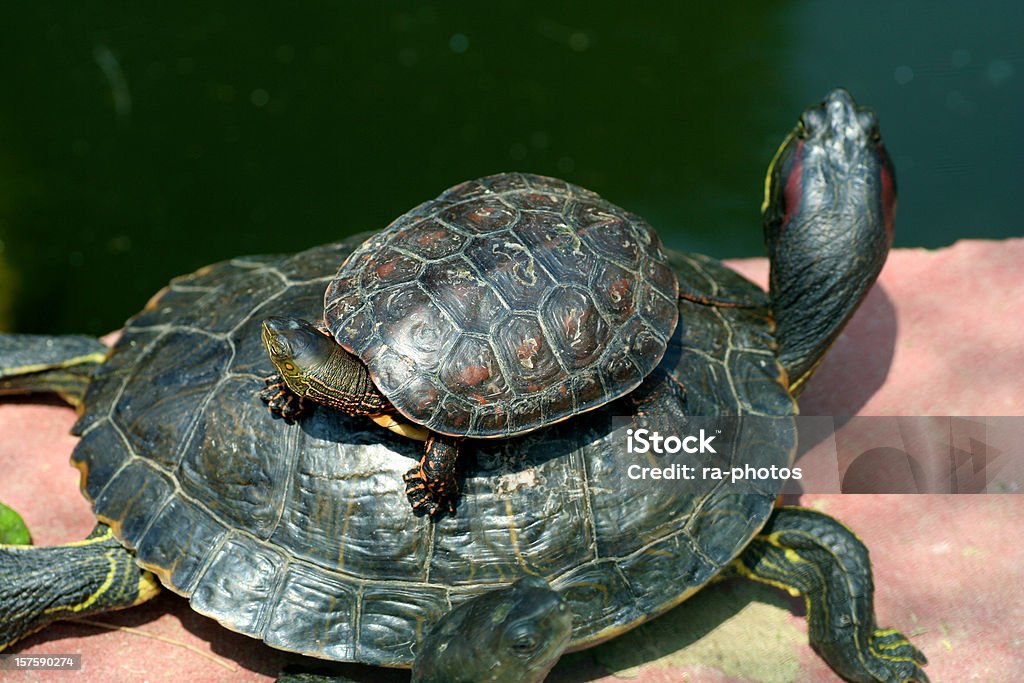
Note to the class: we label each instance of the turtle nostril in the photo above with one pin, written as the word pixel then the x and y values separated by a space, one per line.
pixel 869 124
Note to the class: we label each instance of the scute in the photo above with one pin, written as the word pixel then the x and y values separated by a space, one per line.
pixel 302 535
pixel 521 343
pixel 434 240
pixel 474 306
pixel 579 332
pixel 587 275
pixel 558 248
pixel 502 262
pixel 486 216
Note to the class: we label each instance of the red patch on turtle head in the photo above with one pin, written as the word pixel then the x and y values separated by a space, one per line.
pixel 888 180
pixel 793 189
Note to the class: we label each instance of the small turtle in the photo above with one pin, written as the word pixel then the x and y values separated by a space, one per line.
pixel 304 537
pixel 506 304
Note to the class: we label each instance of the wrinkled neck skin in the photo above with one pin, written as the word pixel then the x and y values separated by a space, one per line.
pixel 316 368
pixel 342 382
pixel 828 220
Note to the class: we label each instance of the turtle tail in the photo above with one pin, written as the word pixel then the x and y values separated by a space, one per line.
pixel 39 585
pixel 62 365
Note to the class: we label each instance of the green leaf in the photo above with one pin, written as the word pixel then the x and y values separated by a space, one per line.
pixel 12 528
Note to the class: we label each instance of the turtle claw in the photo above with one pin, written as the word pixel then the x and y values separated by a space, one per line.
pixel 419 498
pixel 282 401
pixel 431 497
pixel 894 659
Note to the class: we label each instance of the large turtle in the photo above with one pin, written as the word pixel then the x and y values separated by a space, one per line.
pixel 506 304
pixel 301 535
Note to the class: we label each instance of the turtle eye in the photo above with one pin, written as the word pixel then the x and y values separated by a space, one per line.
pixel 869 124
pixel 522 639
pixel 524 644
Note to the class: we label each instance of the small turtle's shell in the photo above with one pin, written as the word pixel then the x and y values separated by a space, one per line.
pixel 507 303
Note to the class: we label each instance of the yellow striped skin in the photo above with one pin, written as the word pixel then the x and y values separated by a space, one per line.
pixel 40 585
pixel 809 554
pixel 43 364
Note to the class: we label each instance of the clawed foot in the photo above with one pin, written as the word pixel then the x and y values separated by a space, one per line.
pixel 894 659
pixel 431 485
pixel 886 657
pixel 282 401
pixel 432 497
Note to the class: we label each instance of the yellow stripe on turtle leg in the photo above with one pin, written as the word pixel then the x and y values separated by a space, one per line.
pixel 810 554
pixel 39 585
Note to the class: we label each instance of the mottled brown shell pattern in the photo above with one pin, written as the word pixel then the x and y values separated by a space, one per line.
pixel 507 303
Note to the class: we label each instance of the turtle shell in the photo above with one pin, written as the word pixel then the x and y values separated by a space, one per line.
pixel 302 535
pixel 507 303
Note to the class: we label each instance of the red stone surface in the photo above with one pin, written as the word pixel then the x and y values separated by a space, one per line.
pixel 940 335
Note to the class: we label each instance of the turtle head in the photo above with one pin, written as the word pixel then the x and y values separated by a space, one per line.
pixel 535 630
pixel 830 201
pixel 508 635
pixel 297 349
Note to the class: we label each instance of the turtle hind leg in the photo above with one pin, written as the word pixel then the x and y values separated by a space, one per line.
pixel 810 554
pixel 431 485
pixel 39 585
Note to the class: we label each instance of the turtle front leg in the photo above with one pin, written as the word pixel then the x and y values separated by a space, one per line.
pixel 282 401
pixel 810 554
pixel 431 485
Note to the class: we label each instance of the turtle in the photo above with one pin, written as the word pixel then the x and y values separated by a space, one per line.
pixel 506 304
pixel 303 537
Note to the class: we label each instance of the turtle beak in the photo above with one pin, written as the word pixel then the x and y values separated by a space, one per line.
pixel 270 334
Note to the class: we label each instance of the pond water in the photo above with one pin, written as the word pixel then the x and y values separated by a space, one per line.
pixel 141 143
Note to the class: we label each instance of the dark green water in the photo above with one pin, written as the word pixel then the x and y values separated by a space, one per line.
pixel 143 140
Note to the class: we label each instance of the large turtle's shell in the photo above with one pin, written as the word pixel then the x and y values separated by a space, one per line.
pixel 302 535
pixel 506 304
